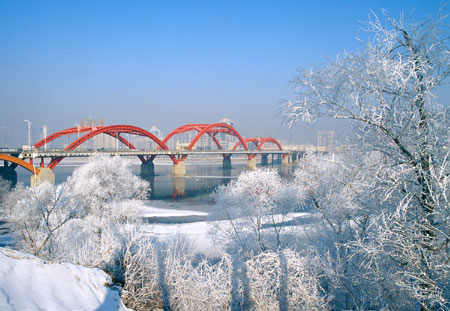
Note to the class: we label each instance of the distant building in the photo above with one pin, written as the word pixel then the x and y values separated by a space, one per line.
pixel 182 145
pixel 325 141
pixel 227 121
pixel 157 132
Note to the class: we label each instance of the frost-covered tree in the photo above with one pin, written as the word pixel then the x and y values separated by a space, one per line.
pixel 5 187
pixel 339 190
pixel 253 208
pixel 36 215
pixel 108 196
pixel 104 180
pixel 81 221
pixel 386 89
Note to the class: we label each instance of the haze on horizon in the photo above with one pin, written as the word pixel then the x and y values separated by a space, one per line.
pixel 167 64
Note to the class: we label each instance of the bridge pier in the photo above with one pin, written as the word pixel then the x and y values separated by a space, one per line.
pixel 8 174
pixel 265 159
pixel 226 162
pixel 284 160
pixel 45 175
pixel 251 163
pixel 294 158
pixel 179 169
pixel 148 168
pixel 276 159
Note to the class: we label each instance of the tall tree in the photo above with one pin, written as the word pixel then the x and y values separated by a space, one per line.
pixel 387 89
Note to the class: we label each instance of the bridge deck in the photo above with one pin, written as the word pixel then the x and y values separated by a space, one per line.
pixel 132 152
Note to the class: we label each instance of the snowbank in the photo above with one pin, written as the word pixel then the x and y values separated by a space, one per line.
pixel 29 283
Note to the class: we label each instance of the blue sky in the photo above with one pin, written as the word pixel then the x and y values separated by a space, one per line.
pixel 168 63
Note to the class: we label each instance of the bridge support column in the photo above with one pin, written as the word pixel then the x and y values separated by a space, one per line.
pixel 45 174
pixel 148 168
pixel 8 174
pixel 226 162
pixel 276 159
pixel 265 160
pixel 285 160
pixel 179 169
pixel 251 163
pixel 295 158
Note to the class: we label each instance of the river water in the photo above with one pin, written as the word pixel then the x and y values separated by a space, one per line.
pixel 193 190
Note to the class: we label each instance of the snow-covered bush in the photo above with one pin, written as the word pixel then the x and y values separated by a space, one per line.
pixel 155 274
pixel 205 286
pixel 254 207
pixel 36 215
pixel 160 276
pixel 142 290
pixel 284 280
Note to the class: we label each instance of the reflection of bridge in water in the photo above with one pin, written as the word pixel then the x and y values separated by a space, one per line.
pixel 49 159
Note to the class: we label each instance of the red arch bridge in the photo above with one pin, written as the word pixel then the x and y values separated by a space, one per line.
pixel 47 160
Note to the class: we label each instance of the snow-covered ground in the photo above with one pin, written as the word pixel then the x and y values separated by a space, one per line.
pixel 171 220
pixel 172 223
pixel 29 283
pixel 153 211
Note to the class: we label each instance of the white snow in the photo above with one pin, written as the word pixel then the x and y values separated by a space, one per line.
pixel 151 211
pixel 29 283
pixel 198 232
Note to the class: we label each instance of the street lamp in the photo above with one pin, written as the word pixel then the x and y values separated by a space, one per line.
pixel 29 132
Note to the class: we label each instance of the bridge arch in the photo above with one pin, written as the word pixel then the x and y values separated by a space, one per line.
pixel 268 140
pixel 202 129
pixel 112 130
pixel 65 132
pixel 259 142
pixel 217 128
pixel 20 162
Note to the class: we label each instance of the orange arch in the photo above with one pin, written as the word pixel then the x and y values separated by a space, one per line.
pixel 20 162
